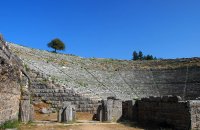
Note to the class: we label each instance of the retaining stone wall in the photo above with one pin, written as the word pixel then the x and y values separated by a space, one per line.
pixel 43 92
pixel 169 111
pixel 54 94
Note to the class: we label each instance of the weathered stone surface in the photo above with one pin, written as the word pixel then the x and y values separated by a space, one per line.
pixel 44 92
pixel 58 78
pixel 180 115
pixel 31 117
pixel 127 80
pixel 26 111
pixel 11 77
pixel 127 110
pixel 99 114
pixel 45 111
pixel 67 113
pixel 59 117
pixel 117 110
pixel 195 113
pixel 110 110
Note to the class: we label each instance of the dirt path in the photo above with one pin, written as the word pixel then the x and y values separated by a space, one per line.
pixel 103 127
pixel 83 122
pixel 79 127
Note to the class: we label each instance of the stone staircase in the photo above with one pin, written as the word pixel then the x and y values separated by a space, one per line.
pixel 84 81
pixel 101 78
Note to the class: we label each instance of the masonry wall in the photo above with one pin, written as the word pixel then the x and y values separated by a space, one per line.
pixel 169 112
pixel 46 93
pixel 54 94
pixel 195 114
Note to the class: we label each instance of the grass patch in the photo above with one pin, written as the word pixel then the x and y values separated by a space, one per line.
pixel 26 67
pixel 10 124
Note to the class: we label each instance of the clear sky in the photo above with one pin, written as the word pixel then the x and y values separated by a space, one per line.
pixel 105 28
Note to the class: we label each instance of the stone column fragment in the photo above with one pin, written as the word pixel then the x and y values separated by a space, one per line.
pixel 67 113
pixel 26 111
pixel 110 110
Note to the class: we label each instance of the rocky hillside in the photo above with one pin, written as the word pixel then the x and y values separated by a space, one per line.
pixel 13 79
pixel 99 78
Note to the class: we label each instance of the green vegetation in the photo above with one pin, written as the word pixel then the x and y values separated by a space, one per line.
pixel 56 44
pixel 140 56
pixel 26 67
pixel 81 83
pixel 50 60
pixel 44 80
pixel 10 124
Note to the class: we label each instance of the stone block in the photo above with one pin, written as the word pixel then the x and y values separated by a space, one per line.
pixel 45 111
pixel 99 114
pixel 117 110
pixel 67 113
pixel 109 110
pixel 59 117
pixel 174 99
pixel 25 111
pixel 31 117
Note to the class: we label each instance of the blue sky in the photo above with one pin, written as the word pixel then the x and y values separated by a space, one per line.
pixel 105 28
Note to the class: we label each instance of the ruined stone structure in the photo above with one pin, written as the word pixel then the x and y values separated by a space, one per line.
pixel 101 78
pixel 110 110
pixel 26 111
pixel 129 110
pixel 67 113
pixel 166 111
pixel 57 78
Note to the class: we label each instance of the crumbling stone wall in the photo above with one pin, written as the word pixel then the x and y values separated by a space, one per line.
pixel 169 111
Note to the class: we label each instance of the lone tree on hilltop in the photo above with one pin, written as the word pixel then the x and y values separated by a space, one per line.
pixel 56 44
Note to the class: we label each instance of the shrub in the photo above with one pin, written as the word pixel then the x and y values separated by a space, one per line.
pixel 10 124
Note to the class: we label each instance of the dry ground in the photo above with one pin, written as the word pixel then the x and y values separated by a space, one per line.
pixel 83 117
pixel 53 116
pixel 80 127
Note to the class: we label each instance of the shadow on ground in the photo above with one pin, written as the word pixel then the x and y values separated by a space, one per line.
pixel 148 126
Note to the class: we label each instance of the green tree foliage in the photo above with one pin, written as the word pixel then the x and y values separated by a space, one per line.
pixel 135 55
pixel 149 57
pixel 140 56
pixel 56 44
